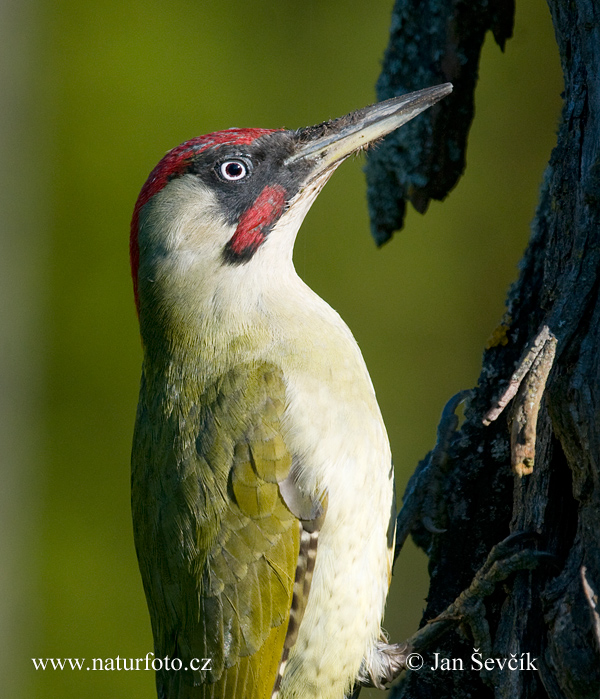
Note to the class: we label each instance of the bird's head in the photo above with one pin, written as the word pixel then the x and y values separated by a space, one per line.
pixel 222 210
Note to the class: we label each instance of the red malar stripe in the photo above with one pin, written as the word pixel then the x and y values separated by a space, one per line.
pixel 267 208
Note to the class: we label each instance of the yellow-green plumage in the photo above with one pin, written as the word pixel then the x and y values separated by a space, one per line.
pixel 217 546
pixel 262 480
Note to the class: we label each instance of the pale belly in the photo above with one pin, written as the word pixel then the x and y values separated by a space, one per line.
pixel 345 454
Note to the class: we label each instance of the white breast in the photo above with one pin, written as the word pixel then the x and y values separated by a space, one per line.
pixel 335 426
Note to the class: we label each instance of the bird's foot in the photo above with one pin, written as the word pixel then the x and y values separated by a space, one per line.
pixel 386 663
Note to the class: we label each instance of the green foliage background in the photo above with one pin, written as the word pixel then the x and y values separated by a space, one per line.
pixel 106 88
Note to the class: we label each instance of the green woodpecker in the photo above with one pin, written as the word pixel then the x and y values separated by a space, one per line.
pixel 262 479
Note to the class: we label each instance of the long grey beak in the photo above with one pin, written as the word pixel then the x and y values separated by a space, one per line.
pixel 329 143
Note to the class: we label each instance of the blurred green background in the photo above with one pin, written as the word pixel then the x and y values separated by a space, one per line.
pixel 93 95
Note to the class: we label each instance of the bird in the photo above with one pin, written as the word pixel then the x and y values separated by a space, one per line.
pixel 261 473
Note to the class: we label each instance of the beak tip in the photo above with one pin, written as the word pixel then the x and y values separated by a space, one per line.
pixel 440 91
pixel 333 141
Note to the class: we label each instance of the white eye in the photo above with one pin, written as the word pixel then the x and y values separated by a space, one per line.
pixel 233 170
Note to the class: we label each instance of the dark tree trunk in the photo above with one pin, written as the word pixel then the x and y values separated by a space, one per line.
pixel 492 486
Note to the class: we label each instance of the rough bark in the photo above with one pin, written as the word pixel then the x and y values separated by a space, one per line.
pixel 431 42
pixel 552 612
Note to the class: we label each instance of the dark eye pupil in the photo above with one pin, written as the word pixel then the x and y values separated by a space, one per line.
pixel 234 169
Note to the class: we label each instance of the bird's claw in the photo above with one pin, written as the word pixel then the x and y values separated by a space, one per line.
pixel 388 661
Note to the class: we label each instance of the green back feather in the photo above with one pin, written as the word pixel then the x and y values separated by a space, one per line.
pixel 217 545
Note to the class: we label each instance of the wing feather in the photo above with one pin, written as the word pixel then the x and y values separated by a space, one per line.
pixel 217 544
